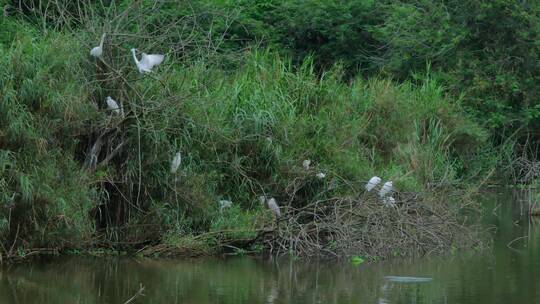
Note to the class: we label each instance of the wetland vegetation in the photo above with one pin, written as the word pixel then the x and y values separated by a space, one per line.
pixel 441 97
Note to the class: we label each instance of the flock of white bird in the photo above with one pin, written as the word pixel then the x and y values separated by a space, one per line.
pixel 149 61
pixel 385 193
pixel 145 65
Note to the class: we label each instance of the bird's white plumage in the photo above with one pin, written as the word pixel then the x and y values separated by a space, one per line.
pixel 386 188
pixel 306 163
pixel 272 204
pixel 148 61
pixel 389 201
pixel 262 199
pixel 224 204
pixel 175 163
pixel 372 183
pixel 113 105
pixel 98 50
pixel 321 175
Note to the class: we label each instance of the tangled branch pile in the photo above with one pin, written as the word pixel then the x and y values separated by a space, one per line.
pixel 339 227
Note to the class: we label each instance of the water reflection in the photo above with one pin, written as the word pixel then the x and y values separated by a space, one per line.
pixel 505 275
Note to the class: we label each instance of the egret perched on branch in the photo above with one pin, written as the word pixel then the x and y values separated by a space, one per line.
pixel 113 106
pixel 306 163
pixel 272 204
pixel 389 201
pixel 321 175
pixel 177 159
pixel 224 204
pixel 147 61
pixel 386 188
pixel 98 50
pixel 372 183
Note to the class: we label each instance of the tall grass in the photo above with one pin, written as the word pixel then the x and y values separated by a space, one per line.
pixel 242 133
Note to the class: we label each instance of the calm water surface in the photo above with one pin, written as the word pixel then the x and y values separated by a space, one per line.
pixel 502 275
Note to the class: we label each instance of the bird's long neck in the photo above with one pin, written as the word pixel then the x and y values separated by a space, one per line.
pixel 102 40
pixel 135 57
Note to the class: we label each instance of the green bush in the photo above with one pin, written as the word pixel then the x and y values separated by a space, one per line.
pixel 242 132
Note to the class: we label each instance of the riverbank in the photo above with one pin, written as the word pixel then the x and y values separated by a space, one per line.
pixel 464 277
pixel 77 173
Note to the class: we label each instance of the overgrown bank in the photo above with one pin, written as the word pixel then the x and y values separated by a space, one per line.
pixel 242 132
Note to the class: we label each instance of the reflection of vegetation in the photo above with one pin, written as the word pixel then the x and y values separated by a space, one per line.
pixel 235 280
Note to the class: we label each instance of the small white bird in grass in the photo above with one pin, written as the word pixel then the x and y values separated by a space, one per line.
pixel 321 175
pixel 386 188
pixel 272 204
pixel 262 199
pixel 372 183
pixel 177 159
pixel 98 50
pixel 113 106
pixel 224 204
pixel 147 61
pixel 306 163
pixel 389 201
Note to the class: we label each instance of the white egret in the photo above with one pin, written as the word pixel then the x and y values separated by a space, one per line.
pixel 389 201
pixel 98 50
pixel 262 199
pixel 113 106
pixel 147 61
pixel 372 183
pixel 321 175
pixel 386 188
pixel 224 204
pixel 177 159
pixel 306 163
pixel 272 204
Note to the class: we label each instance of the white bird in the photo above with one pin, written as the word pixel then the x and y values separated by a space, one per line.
pixel 98 50
pixel 262 199
pixel 389 201
pixel 224 204
pixel 147 61
pixel 177 159
pixel 272 204
pixel 373 182
pixel 321 175
pixel 113 106
pixel 386 188
pixel 306 163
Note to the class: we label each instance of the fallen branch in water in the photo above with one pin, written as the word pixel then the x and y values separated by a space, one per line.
pixel 139 293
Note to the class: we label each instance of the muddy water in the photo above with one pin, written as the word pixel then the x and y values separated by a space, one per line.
pixel 509 273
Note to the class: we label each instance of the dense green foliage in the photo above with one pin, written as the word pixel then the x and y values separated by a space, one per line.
pixel 405 90
pixel 483 51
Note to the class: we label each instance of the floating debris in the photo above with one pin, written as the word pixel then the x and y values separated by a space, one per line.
pixel 399 279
